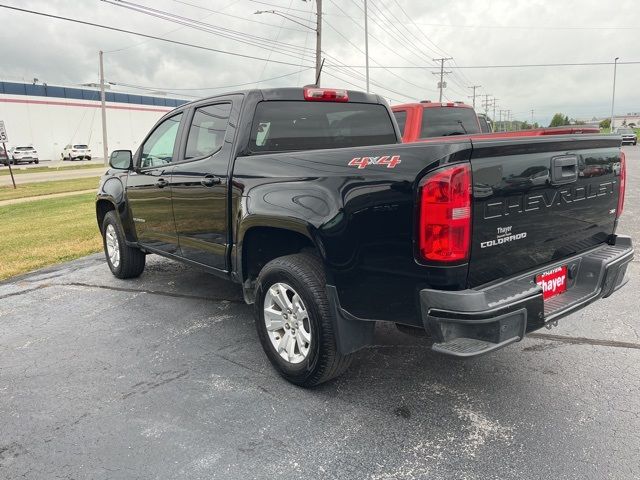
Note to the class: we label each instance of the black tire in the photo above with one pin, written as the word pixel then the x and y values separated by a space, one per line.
pixel 132 260
pixel 37 162
pixel 305 274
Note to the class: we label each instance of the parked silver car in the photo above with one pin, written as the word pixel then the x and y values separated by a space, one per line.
pixel 23 155
pixel 628 135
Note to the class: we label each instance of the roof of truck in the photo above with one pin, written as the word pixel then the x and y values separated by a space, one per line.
pixel 430 104
pixel 295 94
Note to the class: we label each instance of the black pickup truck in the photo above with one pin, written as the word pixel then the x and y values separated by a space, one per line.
pixel 308 199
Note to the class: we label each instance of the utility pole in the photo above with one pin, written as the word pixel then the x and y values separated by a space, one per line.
pixel 486 104
pixel 495 103
pixel 105 147
pixel 501 124
pixel 474 92
pixel 532 118
pixel 509 119
pixel 441 84
pixel 613 97
pixel 366 41
pixel 319 41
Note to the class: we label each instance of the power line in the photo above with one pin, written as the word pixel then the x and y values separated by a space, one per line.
pixel 266 64
pixel 211 88
pixel 206 9
pixel 235 35
pixel 438 51
pixel 527 27
pixel 529 65
pixel 372 59
pixel 130 32
pixel 357 23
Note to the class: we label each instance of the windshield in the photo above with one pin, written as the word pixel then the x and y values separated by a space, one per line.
pixel 80 147
pixel 293 125
pixel 625 130
pixel 444 121
pixel 24 148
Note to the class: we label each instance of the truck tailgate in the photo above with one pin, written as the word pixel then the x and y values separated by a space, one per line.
pixel 539 200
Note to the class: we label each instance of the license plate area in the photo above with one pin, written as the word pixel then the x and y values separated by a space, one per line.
pixel 553 282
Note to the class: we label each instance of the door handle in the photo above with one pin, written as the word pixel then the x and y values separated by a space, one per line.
pixel 161 183
pixel 210 181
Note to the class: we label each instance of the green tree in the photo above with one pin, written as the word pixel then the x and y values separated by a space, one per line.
pixel 606 123
pixel 559 120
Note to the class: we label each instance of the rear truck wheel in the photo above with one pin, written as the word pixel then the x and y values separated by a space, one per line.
pixel 123 260
pixel 294 322
pixel 37 162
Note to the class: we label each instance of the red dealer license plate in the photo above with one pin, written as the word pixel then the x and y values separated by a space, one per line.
pixel 553 282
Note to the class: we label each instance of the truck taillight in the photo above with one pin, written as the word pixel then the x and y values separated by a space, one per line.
pixel 623 184
pixel 325 95
pixel 444 215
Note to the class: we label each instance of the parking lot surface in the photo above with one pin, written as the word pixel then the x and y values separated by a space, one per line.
pixel 164 377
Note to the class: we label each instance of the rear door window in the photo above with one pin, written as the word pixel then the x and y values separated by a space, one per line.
pixel 294 125
pixel 207 130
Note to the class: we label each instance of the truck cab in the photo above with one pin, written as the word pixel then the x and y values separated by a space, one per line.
pixel 429 119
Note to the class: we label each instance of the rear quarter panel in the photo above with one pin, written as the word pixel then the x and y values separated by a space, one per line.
pixel 361 220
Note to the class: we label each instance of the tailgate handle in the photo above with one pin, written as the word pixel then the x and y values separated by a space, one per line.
pixel 564 169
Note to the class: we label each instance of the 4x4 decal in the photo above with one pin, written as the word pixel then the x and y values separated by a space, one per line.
pixel 362 162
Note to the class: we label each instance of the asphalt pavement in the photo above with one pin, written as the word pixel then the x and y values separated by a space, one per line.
pixel 164 377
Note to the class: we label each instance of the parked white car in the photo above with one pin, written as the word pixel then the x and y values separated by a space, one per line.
pixel 23 155
pixel 76 152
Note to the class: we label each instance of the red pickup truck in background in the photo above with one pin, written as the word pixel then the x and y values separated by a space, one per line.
pixel 425 120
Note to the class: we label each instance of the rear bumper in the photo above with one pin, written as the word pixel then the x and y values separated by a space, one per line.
pixel 476 321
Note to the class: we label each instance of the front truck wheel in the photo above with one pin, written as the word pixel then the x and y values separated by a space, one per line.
pixel 123 260
pixel 293 320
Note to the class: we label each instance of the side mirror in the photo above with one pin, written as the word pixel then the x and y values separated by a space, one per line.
pixel 121 159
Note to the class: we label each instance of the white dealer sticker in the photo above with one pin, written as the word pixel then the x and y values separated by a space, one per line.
pixel 503 235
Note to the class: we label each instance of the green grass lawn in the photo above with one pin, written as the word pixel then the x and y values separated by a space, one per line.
pixel 44 188
pixel 5 170
pixel 48 231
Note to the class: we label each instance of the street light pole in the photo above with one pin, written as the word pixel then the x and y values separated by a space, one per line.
pixel 366 41
pixel 613 97
pixel 318 31
pixel 105 147
pixel 318 41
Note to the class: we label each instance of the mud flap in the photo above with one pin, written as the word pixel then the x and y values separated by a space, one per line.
pixel 351 333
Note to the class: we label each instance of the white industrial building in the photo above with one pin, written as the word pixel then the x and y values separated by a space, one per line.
pixel 632 119
pixel 50 117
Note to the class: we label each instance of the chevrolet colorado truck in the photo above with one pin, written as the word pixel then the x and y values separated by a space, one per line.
pixel 308 199
pixel 426 120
